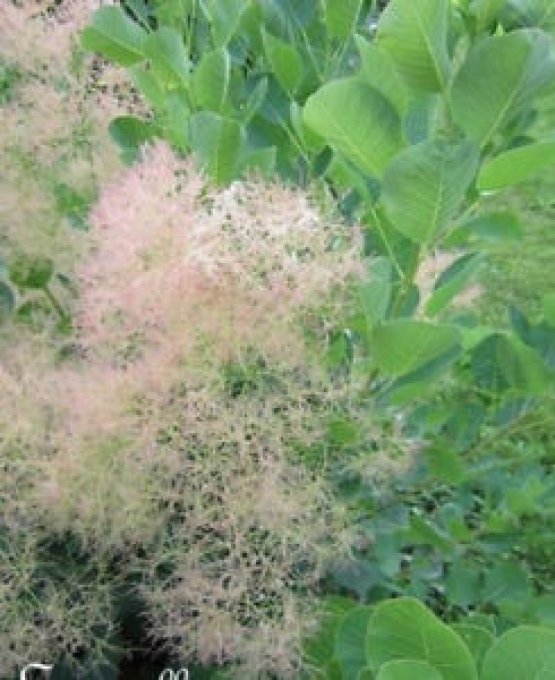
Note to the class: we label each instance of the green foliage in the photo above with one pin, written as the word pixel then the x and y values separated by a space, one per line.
pixel 403 640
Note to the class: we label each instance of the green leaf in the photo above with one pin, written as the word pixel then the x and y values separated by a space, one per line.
pixel 254 101
pixel 365 674
pixel 516 165
pixel 414 32
pixel 31 272
pixel 404 345
pixel 148 86
pixel 219 143
pixel 494 227
pixel 499 80
pixel 506 581
pixel 452 281
pixel 318 648
pixel 211 80
pixel 501 362
pixel 260 161
pixel 408 670
pixel 478 640
pixel 405 629
pixel 285 62
pixel 523 652
pixel 166 51
pixel 113 35
pixel 463 583
pixel 224 17
pixel 378 70
pixel 7 302
pixel 176 119
pixel 130 134
pixel 375 296
pixel 341 17
pixel 350 638
pixel 424 186
pixel 445 464
pixel 358 121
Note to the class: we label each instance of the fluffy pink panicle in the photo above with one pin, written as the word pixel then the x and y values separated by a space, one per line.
pixel 174 260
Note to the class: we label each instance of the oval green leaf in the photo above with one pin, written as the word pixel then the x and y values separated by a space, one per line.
pixel 516 165
pixel 408 670
pixel 404 629
pixel 523 652
pixel 424 186
pixel 113 35
pixel 358 121
pixel 414 32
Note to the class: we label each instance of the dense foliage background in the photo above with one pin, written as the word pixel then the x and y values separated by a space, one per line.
pixel 277 338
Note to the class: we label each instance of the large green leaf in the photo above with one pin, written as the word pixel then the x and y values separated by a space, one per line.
pixel 404 629
pixel 31 271
pixel 414 32
pixel 211 80
pixel 516 165
pixel 224 17
pixel 497 82
pixel 526 652
pixel 113 35
pixel 219 143
pixel 477 639
pixel 285 62
pixel 341 17
pixel 424 186
pixel 537 13
pixel 166 52
pixel 408 670
pixel 358 121
pixel 404 345
pixel 377 68
pixel 350 639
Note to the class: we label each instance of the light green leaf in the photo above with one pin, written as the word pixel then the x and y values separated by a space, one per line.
pixel 494 227
pixel 224 17
pixel 358 121
pixel 341 17
pixel 526 652
pixel 219 142
pixel 414 32
pixel 177 113
pixel 166 51
pixel 408 670
pixel 375 295
pixel 404 345
pixel 478 640
pixel 424 186
pixel 350 638
pixel 404 629
pixel 452 281
pixel 285 62
pixel 498 81
pixel 130 134
pixel 113 35
pixel 148 86
pixel 211 80
pixel 378 70
pixel 463 583
pixel 260 161
pixel 516 165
